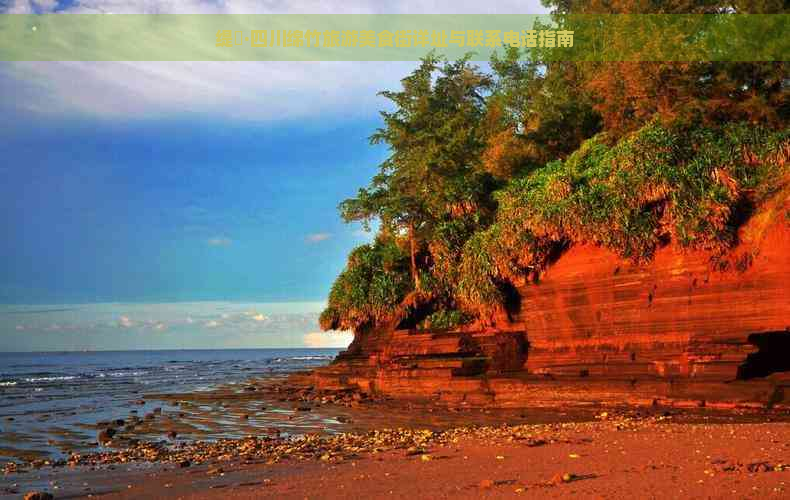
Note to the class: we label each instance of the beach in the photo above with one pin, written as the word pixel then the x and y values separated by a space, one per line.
pixel 587 461
pixel 382 447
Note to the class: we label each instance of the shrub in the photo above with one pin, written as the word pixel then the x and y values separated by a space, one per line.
pixel 370 288
pixel 445 319
pixel 686 185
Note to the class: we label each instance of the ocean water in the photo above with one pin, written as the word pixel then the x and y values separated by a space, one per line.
pixel 50 402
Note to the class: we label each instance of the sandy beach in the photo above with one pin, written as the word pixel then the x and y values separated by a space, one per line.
pixel 608 459
pixel 589 461
pixel 430 451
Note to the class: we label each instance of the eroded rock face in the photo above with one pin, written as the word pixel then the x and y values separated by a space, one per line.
pixel 600 328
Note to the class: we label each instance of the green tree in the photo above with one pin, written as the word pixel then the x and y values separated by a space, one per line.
pixel 432 172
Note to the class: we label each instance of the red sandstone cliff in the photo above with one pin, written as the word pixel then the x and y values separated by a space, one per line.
pixel 597 328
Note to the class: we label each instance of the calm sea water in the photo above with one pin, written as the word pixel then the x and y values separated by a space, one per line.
pixel 47 397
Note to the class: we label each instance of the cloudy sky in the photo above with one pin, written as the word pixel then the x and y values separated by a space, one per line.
pixel 137 185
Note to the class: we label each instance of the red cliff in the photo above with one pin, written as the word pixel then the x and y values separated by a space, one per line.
pixel 683 329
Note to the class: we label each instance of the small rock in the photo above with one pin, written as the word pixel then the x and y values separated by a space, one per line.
pixel 172 434
pixel 486 484
pixel 562 478
pixel 106 435
pixel 38 495
pixel 184 464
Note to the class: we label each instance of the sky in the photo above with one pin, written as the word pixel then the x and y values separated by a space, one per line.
pixel 162 192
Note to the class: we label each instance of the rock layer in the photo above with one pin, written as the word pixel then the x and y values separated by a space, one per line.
pixel 684 328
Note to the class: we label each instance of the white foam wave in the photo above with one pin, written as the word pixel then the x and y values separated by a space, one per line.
pixel 51 379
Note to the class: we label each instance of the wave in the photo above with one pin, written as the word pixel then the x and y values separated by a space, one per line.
pixel 7 383
pixel 302 358
pixel 51 379
pixel 122 374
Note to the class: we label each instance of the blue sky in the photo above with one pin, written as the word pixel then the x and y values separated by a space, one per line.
pixel 136 185
pixel 178 209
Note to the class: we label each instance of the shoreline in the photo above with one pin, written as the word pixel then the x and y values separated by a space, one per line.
pixel 378 432
pixel 602 457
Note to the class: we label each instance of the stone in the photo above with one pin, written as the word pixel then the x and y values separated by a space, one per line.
pixel 106 435
pixel 38 495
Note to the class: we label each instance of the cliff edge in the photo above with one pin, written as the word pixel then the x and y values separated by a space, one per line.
pixel 684 329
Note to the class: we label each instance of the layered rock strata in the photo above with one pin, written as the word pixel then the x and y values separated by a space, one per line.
pixel 685 329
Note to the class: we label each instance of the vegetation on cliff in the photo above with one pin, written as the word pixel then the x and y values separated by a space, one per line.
pixel 491 177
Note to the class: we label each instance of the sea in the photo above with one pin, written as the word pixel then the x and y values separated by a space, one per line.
pixel 51 401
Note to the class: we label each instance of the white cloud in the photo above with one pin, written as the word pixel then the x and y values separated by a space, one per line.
pixel 318 237
pixel 219 241
pixel 259 91
pixel 281 7
pixel 328 339
pixel 99 326
pixel 250 91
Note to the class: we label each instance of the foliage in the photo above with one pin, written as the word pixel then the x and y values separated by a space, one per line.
pixel 685 184
pixel 445 319
pixel 490 177
pixel 628 94
pixel 431 173
pixel 537 113
pixel 370 288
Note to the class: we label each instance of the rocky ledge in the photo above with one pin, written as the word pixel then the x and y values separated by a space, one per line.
pixel 685 330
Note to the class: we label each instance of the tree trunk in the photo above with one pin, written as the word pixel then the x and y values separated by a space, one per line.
pixel 413 247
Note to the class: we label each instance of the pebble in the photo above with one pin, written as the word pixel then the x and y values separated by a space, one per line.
pixel 38 495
